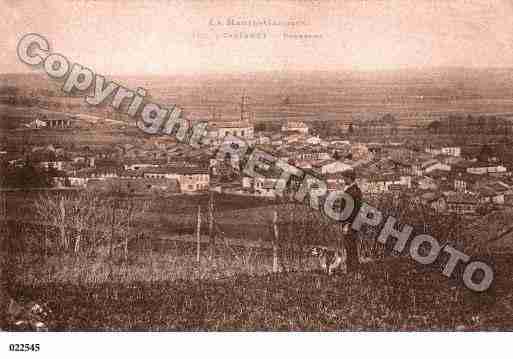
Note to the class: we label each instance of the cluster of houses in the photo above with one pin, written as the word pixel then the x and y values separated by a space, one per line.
pixel 440 177
pixel 137 169
pixel 437 176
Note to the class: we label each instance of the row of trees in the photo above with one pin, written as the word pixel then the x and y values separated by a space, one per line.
pixel 26 176
pixel 455 124
pixel 86 221
pixel 76 224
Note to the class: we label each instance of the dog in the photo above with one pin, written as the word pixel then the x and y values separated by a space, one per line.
pixel 331 260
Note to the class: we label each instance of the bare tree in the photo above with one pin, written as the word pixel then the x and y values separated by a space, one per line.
pixel 71 215
pixel 122 209
pixel 85 215
pixel 51 210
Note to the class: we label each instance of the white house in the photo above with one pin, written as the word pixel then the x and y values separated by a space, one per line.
pixel 189 179
pixel 480 168
pixel 295 127
pixel 380 183
pixel 454 151
pixel 77 181
pixel 139 165
pixel 432 165
pixel 462 203
pixel 310 154
pixel 247 182
pixel 265 186
pixel 313 140
pixel 263 140
pixel 37 123
pixel 218 130
pixel 294 138
pixel 359 151
pixel 332 166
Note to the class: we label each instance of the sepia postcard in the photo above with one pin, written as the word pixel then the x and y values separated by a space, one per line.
pixel 255 166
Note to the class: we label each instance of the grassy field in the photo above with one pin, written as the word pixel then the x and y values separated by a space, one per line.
pixel 160 260
pixel 162 287
pixel 389 295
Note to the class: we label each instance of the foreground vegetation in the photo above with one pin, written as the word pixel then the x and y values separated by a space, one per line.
pixel 97 269
pixel 388 295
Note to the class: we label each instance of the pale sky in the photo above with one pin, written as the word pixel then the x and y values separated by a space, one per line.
pixel 157 36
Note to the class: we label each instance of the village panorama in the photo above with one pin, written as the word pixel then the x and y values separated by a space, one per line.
pixel 89 199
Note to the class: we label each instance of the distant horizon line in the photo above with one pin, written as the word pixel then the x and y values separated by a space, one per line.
pixel 239 72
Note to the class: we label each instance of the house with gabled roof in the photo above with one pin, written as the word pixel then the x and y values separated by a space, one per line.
pixel 190 179
pixel 219 130
pixel 462 203
pixel 331 166
pixel 295 126
pixel 384 182
pixel 480 168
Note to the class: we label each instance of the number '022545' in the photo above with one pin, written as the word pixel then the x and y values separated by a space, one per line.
pixel 24 347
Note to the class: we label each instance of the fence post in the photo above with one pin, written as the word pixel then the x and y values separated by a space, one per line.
pixel 198 235
pixel 46 240
pixel 62 224
pixel 211 223
pixel 275 242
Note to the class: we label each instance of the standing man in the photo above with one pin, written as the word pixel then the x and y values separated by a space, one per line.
pixel 351 235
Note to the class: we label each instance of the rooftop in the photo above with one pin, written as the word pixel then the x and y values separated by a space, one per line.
pixel 177 170
pixel 230 124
